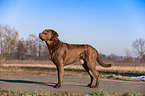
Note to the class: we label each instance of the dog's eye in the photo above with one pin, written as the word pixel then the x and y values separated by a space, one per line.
pixel 45 33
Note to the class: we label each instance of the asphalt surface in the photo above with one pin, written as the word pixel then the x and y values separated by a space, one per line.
pixel 73 84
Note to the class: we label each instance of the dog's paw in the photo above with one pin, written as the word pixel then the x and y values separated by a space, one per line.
pixel 58 86
pixel 95 86
pixel 89 85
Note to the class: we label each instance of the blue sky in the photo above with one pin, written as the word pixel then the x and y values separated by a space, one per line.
pixel 108 25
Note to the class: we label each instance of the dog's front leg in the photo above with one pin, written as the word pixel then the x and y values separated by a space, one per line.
pixel 60 75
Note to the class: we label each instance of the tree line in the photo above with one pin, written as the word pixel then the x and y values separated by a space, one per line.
pixel 32 48
pixel 11 48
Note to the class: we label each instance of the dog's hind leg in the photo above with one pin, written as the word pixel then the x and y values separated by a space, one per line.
pixel 97 76
pixel 90 73
pixel 92 70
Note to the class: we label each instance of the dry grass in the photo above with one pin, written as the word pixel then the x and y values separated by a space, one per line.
pixel 47 67
pixel 116 69
pixel 73 70
pixel 123 69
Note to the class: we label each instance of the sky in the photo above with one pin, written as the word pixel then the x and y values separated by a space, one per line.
pixel 110 26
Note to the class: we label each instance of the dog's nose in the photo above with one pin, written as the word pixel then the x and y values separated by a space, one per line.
pixel 40 34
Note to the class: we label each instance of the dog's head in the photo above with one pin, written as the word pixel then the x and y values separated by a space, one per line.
pixel 48 35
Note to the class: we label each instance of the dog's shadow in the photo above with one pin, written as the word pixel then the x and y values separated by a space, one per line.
pixel 29 82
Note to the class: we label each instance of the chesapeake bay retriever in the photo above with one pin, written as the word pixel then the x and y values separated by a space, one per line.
pixel 63 54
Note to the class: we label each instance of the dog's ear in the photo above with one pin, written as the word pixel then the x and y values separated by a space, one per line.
pixel 54 33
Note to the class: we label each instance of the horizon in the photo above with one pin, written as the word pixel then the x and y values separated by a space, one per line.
pixel 109 26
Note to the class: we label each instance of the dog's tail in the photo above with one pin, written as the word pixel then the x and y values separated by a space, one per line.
pixel 100 61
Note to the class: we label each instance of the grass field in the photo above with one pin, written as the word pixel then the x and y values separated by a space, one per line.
pixel 123 70
pixel 48 68
pixel 44 93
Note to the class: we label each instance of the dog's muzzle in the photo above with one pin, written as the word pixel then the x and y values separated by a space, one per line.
pixel 41 36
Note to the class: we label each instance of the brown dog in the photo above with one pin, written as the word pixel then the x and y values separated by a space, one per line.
pixel 63 54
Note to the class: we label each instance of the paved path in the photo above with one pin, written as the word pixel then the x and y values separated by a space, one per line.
pixel 71 83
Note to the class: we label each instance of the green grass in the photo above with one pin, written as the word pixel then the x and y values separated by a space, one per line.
pixel 102 93
pixel 133 94
pixel 44 93
pixel 39 93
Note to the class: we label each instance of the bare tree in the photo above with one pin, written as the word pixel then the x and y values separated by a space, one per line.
pixel 31 47
pixel 8 38
pixel 45 53
pixel 139 48
pixel 21 50
pixel 128 57
pixel 42 50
